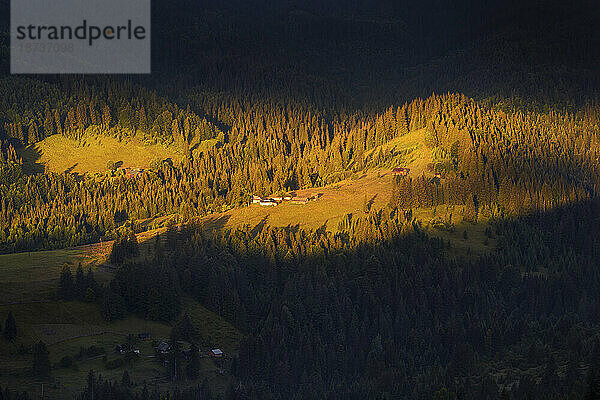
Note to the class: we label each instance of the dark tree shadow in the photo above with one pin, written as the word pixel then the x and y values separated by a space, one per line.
pixel 71 168
pixel 31 156
pixel 370 202
pixel 259 227
pixel 216 223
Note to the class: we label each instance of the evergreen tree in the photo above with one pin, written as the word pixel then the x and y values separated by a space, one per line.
pixel 125 380
pixel 185 328
pixel 41 361
pixel 593 379
pixel 113 304
pixel 80 283
pixel 193 367
pixel 10 327
pixel 66 287
pixel 90 390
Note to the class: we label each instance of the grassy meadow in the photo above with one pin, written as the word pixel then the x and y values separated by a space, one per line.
pixel 92 153
pixel 30 281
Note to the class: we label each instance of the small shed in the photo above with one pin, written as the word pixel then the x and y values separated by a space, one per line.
pixel 401 171
pixel 217 353
pixel 163 347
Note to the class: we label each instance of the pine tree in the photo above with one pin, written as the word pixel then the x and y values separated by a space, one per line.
pixel 10 327
pixel 185 328
pixel 113 304
pixel 80 283
pixel 66 287
pixel 91 384
pixel 193 366
pixel 593 381
pixel 125 379
pixel 41 361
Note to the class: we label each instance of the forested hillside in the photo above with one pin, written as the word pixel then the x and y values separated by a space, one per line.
pixel 512 162
pixel 280 97
pixel 380 310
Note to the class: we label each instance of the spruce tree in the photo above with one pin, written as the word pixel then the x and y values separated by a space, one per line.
pixel 41 361
pixel 193 366
pixel 125 379
pixel 80 283
pixel 66 286
pixel 593 381
pixel 10 327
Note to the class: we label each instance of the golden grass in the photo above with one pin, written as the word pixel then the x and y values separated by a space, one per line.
pixel 336 201
pixel 348 197
pixel 91 154
pixel 417 157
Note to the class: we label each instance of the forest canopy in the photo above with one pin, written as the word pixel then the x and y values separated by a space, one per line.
pixel 273 97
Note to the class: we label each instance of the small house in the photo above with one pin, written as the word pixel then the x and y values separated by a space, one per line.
pixel 300 200
pixel 217 353
pixel 133 172
pixel 267 203
pixel 401 171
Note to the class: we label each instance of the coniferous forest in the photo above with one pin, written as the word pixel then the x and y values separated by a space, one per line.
pixel 281 96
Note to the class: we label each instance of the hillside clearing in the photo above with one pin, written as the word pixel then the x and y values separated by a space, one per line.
pixel 349 197
pixel 91 154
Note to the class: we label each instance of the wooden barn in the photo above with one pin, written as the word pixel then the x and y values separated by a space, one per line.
pixel 300 200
